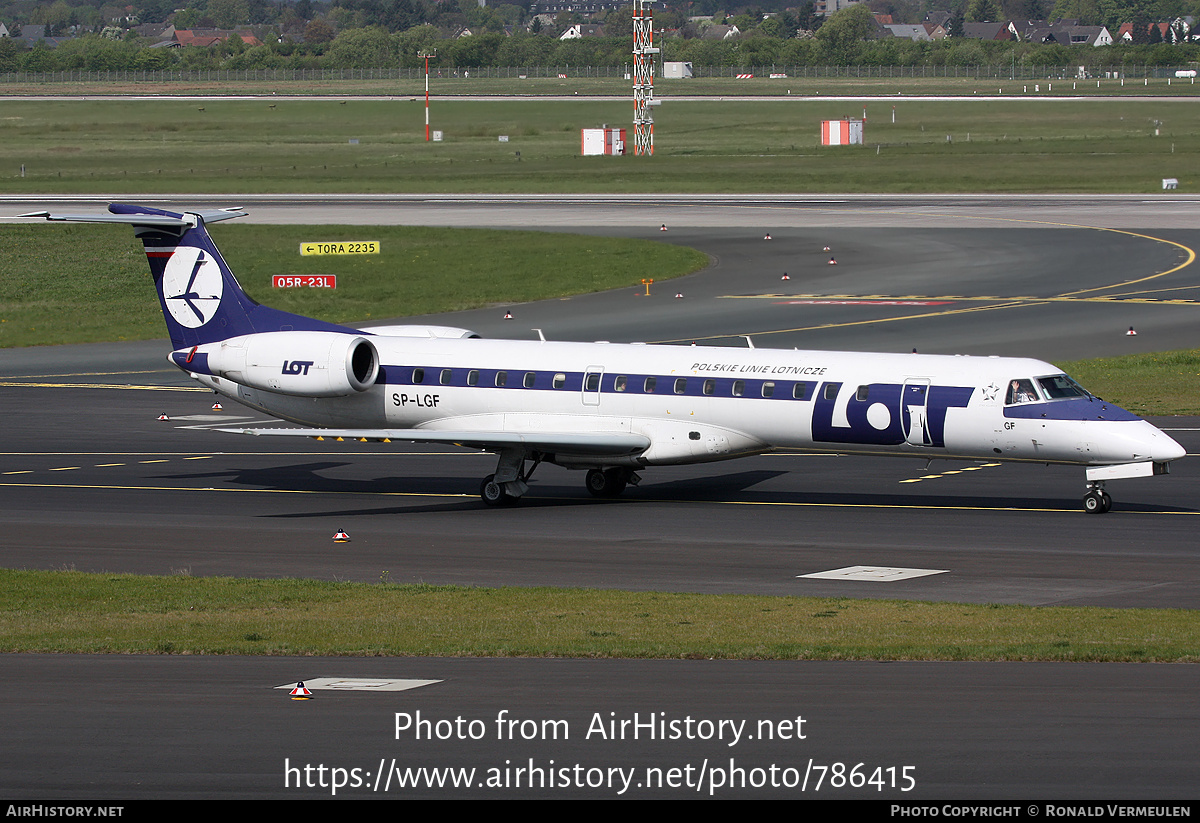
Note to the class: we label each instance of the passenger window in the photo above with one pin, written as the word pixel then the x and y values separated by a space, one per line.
pixel 710 386
pixel 620 383
pixel 418 375
pixel 768 389
pixel 680 385
pixel 862 393
pixel 593 382
pixel 651 383
pixel 739 388
pixel 560 380
pixel 501 379
pixel 800 391
pixel 530 377
pixel 1021 391
pixel 446 374
pixel 473 377
pixel 831 390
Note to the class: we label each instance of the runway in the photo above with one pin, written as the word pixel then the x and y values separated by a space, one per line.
pixel 93 481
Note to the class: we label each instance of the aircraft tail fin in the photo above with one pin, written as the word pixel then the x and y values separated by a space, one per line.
pixel 201 299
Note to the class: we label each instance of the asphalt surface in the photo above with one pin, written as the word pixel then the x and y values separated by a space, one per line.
pixel 93 481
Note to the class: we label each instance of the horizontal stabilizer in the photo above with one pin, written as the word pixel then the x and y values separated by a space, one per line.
pixel 568 442
pixel 139 219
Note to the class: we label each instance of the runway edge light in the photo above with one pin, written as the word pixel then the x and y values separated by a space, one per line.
pixel 341 537
pixel 300 692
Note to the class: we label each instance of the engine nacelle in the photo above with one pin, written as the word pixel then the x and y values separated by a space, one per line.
pixel 304 364
pixel 437 332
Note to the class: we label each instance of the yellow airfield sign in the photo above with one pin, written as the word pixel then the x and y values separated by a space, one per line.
pixel 340 247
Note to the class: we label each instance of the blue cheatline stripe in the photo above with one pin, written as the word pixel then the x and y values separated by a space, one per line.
pixel 664 385
pixel 1076 408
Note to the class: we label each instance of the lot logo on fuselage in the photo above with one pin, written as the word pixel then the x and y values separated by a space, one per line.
pixel 192 286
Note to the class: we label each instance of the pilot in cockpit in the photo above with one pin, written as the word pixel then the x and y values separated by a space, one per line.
pixel 1021 391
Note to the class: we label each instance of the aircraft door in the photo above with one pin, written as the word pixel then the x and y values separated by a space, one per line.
pixel 592 378
pixel 913 404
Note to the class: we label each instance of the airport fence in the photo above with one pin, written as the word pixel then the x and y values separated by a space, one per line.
pixel 250 76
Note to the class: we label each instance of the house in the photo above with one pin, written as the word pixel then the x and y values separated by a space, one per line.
pixel 1071 35
pixel 579 30
pixel 939 18
pixel 3 30
pixel 907 31
pixel 584 7
pixel 156 32
pixel 207 37
pixel 32 35
pixel 828 7
pixel 987 31
pixel 1125 32
pixel 1090 36
pixel 719 32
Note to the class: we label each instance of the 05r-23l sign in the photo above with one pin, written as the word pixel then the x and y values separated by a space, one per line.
pixel 340 247
pixel 301 281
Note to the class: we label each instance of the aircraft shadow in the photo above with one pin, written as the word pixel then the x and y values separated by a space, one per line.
pixel 306 478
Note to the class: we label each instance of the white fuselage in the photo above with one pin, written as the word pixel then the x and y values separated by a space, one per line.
pixel 697 404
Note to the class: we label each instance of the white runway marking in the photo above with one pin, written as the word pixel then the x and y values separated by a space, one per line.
pixel 875 574
pixel 359 684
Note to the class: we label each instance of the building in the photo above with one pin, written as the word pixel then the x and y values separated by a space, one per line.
pixel 828 7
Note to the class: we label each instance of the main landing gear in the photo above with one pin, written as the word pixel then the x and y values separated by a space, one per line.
pixel 510 482
pixel 609 482
pixel 1097 500
pixel 494 494
pixel 511 479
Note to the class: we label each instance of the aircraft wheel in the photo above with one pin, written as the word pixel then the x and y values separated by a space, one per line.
pixel 607 482
pixel 493 493
pixel 1096 502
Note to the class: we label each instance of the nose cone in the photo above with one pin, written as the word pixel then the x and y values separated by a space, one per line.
pixel 1164 448
pixel 1135 441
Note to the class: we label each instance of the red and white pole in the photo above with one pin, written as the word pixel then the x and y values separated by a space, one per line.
pixel 427 98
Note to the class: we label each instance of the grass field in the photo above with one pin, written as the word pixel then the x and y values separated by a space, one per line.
pixel 418 271
pixel 72 612
pixel 149 146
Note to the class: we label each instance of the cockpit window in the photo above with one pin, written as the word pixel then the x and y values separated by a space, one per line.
pixel 1021 391
pixel 1059 387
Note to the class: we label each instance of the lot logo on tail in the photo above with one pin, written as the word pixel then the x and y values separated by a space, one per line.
pixel 192 286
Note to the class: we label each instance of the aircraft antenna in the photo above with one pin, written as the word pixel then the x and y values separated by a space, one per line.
pixel 644 54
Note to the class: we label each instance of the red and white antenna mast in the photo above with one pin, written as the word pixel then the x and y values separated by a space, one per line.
pixel 644 54
pixel 427 55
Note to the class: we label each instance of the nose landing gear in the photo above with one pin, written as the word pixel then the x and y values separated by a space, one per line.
pixel 1097 500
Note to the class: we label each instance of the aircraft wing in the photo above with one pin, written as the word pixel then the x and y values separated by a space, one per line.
pixel 597 443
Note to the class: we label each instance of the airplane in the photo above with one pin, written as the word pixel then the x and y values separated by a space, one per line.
pixel 614 409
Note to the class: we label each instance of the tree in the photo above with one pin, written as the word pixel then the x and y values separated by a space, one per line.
pixel 845 31
pixel 318 31
pixel 983 11
pixel 362 48
pixel 229 13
